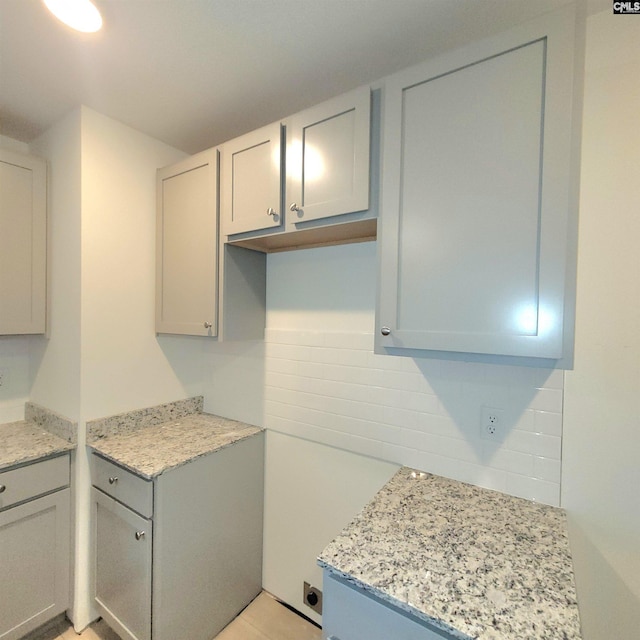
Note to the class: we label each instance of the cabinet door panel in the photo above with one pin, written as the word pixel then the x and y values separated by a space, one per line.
pixel 251 181
pixel 23 221
pixel 478 223
pixel 34 571
pixel 328 157
pixel 187 230
pixel 453 216
pixel 122 584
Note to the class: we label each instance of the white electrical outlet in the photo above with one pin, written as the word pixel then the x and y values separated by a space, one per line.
pixel 492 424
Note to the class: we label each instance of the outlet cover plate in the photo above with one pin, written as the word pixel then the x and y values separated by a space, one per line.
pixel 492 424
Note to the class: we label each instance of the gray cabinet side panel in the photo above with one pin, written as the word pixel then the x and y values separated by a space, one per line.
pixel 208 541
pixel 243 303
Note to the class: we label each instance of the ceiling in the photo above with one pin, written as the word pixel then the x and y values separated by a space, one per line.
pixel 194 73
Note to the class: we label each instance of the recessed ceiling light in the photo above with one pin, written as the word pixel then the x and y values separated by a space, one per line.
pixel 80 15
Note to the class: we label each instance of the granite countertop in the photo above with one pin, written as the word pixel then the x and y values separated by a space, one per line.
pixel 27 441
pixel 151 450
pixel 473 562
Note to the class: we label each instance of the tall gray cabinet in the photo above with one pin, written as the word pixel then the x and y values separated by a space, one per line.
pixel 187 246
pixel 479 196
pixel 23 243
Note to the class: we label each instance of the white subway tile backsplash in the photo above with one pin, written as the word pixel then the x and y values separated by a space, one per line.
pixel 548 400
pixel 547 422
pixel 331 388
pixel 548 469
pixel 533 489
pixel 537 444
pixel 507 460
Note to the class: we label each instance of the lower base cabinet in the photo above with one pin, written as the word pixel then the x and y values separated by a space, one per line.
pixel 350 613
pixel 34 545
pixel 179 556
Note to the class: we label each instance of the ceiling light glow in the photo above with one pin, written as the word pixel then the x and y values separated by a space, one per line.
pixel 81 15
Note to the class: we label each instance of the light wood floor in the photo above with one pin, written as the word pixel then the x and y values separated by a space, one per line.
pixel 264 619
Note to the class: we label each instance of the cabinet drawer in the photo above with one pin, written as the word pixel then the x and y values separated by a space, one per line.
pixel 33 480
pixel 124 486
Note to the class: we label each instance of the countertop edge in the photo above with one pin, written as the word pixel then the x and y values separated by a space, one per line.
pixel 397 604
pixel 37 444
pixel 95 446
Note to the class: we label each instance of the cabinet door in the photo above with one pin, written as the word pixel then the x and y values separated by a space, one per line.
pixel 328 158
pixel 251 179
pixel 23 243
pixel 34 569
pixel 479 210
pixel 122 572
pixel 187 241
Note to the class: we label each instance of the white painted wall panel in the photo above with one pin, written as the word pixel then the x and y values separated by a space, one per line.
pixel 601 465
pixel 311 492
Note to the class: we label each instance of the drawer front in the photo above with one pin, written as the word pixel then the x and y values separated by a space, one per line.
pixel 33 480
pixel 124 486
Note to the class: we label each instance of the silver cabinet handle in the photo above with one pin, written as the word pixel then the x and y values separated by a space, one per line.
pixel 294 207
pixel 385 331
pixel 271 211
pixel 139 535
pixel 3 488
pixel 113 479
pixel 207 325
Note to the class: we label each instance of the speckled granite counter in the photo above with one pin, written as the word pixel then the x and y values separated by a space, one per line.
pixel 150 450
pixel 472 562
pixel 30 440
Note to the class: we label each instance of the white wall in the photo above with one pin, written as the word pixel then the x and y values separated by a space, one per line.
pixel 56 360
pixel 601 452
pixel 311 492
pixel 125 366
pixel 102 356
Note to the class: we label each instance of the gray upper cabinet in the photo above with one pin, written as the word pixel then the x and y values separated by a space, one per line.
pixel 479 197
pixel 302 182
pixel 328 158
pixel 251 197
pixel 187 246
pixel 23 243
